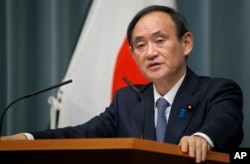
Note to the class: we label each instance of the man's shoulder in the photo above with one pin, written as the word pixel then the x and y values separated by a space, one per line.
pixel 217 81
pixel 194 82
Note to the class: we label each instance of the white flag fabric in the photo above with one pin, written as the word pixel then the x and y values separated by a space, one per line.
pixel 100 50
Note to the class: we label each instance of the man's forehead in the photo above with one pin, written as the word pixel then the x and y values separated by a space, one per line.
pixel 153 34
pixel 154 19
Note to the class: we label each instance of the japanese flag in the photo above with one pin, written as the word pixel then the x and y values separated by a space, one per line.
pixel 100 60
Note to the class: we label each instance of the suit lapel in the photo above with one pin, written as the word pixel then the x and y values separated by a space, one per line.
pixel 183 108
pixel 180 116
pixel 149 129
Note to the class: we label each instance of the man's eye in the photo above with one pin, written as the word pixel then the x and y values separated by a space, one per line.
pixel 140 46
pixel 159 41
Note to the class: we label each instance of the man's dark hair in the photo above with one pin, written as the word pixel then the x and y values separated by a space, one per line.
pixel 179 20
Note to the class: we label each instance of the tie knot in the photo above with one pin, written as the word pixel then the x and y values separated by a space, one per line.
pixel 162 104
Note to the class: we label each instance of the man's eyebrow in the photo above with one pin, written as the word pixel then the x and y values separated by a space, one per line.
pixel 138 38
pixel 158 33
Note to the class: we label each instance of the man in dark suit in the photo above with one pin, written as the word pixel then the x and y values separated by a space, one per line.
pixel 200 113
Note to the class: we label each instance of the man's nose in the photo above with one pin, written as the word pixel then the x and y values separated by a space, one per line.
pixel 151 51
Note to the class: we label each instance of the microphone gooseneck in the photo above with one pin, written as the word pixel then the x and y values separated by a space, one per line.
pixel 29 95
pixel 143 105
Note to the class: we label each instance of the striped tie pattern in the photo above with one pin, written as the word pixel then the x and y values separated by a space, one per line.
pixel 161 125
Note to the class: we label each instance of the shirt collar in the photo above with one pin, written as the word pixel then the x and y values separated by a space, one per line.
pixel 169 96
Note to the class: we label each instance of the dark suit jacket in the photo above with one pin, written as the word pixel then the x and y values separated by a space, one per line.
pixel 215 109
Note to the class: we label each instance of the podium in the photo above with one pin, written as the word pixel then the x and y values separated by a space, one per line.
pixel 106 150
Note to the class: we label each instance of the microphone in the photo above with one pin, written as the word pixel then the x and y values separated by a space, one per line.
pixel 27 96
pixel 143 105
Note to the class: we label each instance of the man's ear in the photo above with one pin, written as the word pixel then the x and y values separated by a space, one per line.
pixel 131 50
pixel 187 41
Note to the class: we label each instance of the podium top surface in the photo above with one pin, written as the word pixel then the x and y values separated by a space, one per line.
pixel 104 144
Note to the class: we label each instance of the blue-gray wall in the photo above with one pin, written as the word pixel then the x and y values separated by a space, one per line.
pixel 37 40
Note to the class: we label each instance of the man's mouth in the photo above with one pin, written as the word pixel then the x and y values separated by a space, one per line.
pixel 153 64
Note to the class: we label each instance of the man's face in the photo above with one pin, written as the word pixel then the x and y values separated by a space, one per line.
pixel 156 48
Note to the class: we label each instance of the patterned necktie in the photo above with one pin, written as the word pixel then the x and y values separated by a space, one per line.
pixel 161 125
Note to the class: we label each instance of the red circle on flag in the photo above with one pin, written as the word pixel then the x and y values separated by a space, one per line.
pixel 126 66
